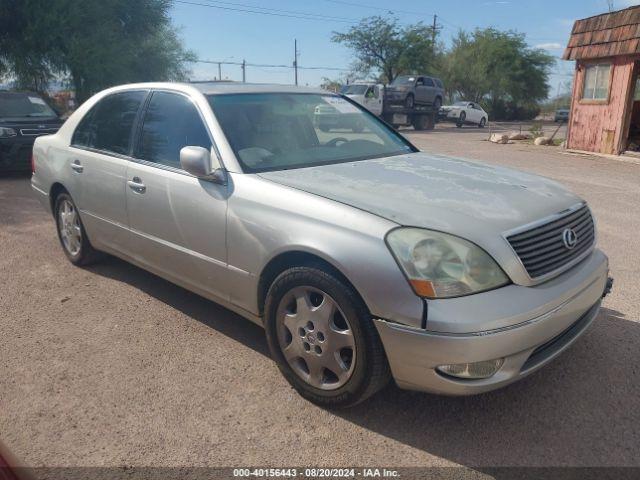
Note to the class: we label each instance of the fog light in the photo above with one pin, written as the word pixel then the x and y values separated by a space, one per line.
pixel 472 370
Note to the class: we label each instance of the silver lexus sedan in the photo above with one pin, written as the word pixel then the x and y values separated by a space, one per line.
pixel 363 258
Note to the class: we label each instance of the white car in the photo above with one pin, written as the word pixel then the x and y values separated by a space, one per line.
pixel 464 113
pixel 367 94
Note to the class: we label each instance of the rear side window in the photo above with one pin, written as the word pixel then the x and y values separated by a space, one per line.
pixel 438 83
pixel 170 123
pixel 428 82
pixel 108 124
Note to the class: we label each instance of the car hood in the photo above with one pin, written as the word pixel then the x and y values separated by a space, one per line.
pixel 466 198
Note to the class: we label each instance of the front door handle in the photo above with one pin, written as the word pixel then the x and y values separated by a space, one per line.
pixel 136 185
pixel 76 166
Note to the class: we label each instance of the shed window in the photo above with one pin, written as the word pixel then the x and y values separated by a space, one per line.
pixel 596 82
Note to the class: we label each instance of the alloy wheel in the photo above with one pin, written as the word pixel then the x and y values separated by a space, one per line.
pixel 69 227
pixel 316 338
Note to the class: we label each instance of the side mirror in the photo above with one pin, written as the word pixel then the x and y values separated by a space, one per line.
pixel 197 162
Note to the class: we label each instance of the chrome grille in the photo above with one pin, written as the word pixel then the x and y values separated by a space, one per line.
pixel 542 249
pixel 36 132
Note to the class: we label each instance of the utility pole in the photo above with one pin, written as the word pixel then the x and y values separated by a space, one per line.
pixel 244 69
pixel 219 71
pixel 433 32
pixel 295 60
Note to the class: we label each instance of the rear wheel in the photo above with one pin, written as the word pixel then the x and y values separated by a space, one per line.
pixel 483 122
pixel 323 339
pixel 437 103
pixel 461 119
pixel 71 233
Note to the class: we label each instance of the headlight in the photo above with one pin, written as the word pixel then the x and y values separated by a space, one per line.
pixel 7 132
pixel 439 265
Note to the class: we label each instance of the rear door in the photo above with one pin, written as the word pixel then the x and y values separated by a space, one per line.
pixel 97 160
pixel 177 221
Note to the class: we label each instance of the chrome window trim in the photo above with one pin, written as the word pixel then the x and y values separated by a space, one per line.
pixel 543 221
pixel 214 147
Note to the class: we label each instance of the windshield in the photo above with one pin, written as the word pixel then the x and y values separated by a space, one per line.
pixel 24 105
pixel 354 89
pixel 403 80
pixel 461 104
pixel 279 131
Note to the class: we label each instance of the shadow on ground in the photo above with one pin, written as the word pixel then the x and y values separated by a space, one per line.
pixel 582 409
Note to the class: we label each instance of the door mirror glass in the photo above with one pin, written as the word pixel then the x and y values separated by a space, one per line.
pixel 196 161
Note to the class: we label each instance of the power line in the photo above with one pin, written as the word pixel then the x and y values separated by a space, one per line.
pixel 268 65
pixel 305 16
pixel 280 10
pixel 362 5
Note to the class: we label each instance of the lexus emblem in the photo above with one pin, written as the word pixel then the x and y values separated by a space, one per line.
pixel 569 238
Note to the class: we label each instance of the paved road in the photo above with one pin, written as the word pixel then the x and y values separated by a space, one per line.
pixel 110 365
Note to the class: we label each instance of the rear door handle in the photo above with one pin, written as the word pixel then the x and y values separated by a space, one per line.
pixel 136 185
pixel 76 166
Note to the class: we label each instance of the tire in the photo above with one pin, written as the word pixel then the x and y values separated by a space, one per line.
pixel 437 103
pixel 483 122
pixel 296 301
pixel 461 119
pixel 71 233
pixel 409 102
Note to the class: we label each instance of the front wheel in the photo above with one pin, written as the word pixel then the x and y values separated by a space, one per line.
pixel 409 101
pixel 71 232
pixel 322 338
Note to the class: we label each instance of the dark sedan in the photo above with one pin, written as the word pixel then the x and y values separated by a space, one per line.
pixel 23 117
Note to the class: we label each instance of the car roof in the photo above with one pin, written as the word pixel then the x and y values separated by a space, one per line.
pixel 216 88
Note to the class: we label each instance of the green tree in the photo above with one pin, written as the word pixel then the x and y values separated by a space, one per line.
pixel 499 70
pixel 95 43
pixel 385 48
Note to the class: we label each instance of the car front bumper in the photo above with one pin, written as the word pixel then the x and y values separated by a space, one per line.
pixel 557 313
pixel 15 154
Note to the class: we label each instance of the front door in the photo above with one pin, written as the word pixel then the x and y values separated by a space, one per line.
pixel 177 221
pixel 373 99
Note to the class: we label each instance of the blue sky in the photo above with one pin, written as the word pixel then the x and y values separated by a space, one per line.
pixel 227 34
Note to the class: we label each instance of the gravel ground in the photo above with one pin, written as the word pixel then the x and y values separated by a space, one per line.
pixel 110 365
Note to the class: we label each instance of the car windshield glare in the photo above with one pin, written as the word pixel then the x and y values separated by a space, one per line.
pixel 279 131
pixel 24 105
pixel 403 80
pixel 354 89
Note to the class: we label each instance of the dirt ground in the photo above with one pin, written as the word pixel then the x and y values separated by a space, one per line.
pixel 110 365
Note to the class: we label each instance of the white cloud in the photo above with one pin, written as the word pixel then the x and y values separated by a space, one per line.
pixel 550 46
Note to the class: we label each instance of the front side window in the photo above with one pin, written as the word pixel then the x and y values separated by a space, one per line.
pixel 428 82
pixel 170 123
pixel 279 131
pixel 108 124
pixel 596 82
